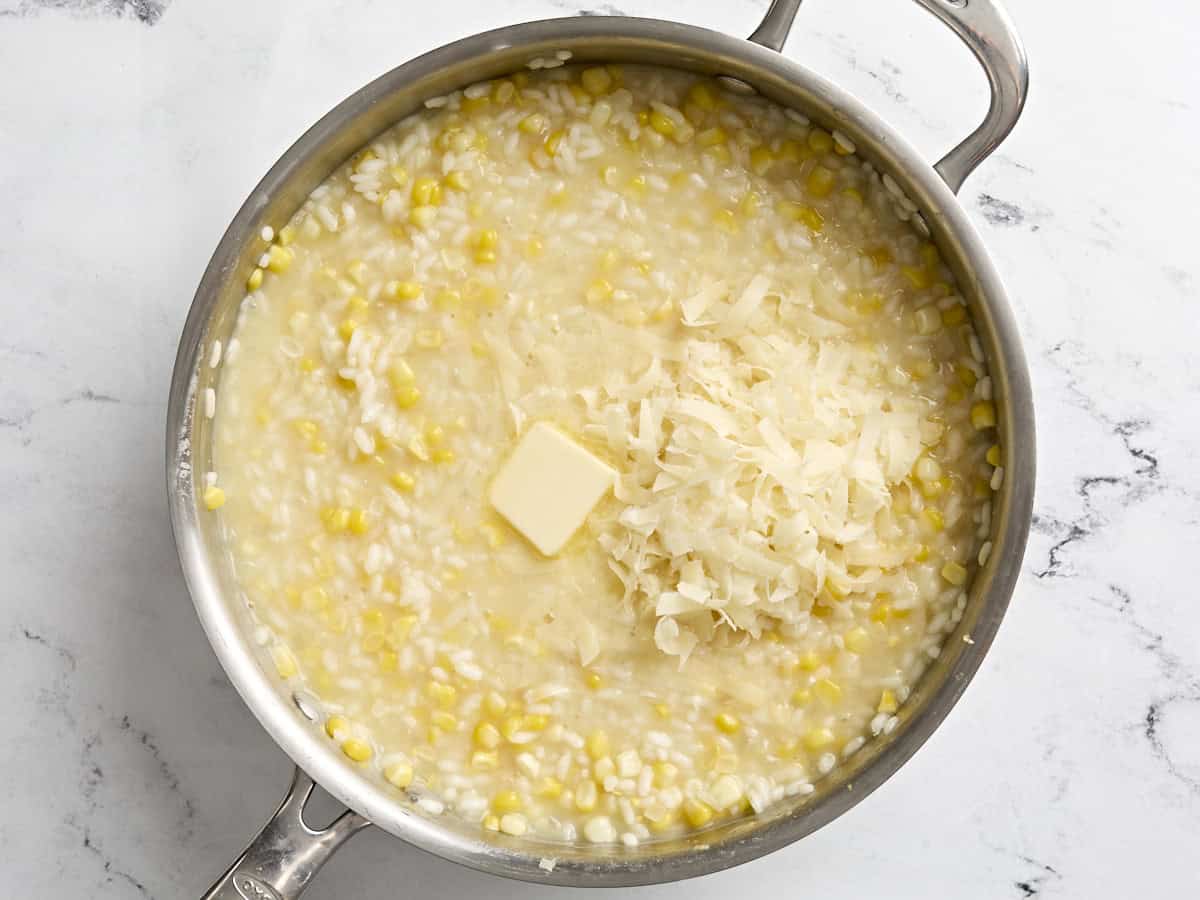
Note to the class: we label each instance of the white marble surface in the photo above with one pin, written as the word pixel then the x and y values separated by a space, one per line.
pixel 130 131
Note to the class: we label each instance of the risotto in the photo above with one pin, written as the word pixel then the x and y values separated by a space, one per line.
pixel 603 455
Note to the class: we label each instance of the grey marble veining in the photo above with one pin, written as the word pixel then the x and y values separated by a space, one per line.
pixel 130 130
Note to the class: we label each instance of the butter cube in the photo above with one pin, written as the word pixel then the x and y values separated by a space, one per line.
pixel 548 486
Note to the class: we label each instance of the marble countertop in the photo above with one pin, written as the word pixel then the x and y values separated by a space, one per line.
pixel 130 131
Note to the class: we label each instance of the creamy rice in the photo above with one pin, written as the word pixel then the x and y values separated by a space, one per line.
pixel 715 297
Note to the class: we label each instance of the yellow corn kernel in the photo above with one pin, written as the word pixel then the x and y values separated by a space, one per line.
pixel 983 415
pixel 357 305
pixel 798 212
pixel 346 329
pixel 532 124
pixel 429 338
pixel 887 702
pixel 214 497
pixel 712 137
pixel 443 720
pixel 918 278
pixel 486 735
pixel 761 159
pixel 829 691
pixel 457 181
pixel 662 710
pixel 596 80
pixel 553 139
pixel 506 802
pixel 422 216
pixel 287 234
pixel 955 395
pixel 404 290
pixel 549 788
pixel 665 774
pixel 598 744
pixel 934 488
pixel 359 522
pixel 934 517
pixel 400 774
pixel 359 751
pixel 426 192
pixel 336 518
pixel 726 220
pixel 403 482
pixel 599 290
pixel 921 553
pixel 810 661
pixel 801 697
pixel 491 822
pixel 954 573
pixel 279 258
pixel 484 257
pixel 254 282
pixel 727 723
pixel 593 680
pixel 703 96
pixel 494 703
pixel 818 738
pixel 820 140
pixel 662 123
pixel 855 195
pixel 697 813
pixel 954 315
pixel 857 640
pixel 880 256
pixel 307 427
pixel 820 181
pixel 993 455
pixel 444 695
pixel 285 663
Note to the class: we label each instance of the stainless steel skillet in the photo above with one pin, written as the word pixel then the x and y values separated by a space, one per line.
pixel 282 859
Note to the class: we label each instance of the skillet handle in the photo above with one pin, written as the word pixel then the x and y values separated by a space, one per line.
pixel 286 854
pixel 985 27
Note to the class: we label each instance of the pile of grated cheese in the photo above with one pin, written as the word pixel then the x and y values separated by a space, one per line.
pixel 757 466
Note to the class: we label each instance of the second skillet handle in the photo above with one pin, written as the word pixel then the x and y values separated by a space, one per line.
pixel 984 26
pixel 287 853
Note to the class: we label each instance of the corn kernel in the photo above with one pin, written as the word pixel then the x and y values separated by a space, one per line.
pixel 727 723
pixel 422 216
pixel 798 212
pixel 444 695
pixel 487 736
pixel 725 220
pixel 855 195
pixel 254 282
pixel 801 697
pixel 954 315
pixel 532 124
pixel 346 329
pixel 596 80
pixel 983 415
pixel 359 523
pixel 457 180
pixel 921 553
pixel 993 455
pixel 880 256
pixel 593 680
pixel 810 661
pixel 279 258
pixel 954 573
pixel 214 497
pixel 918 278
pixel 597 744
pixel 761 159
pixel 857 640
pixel 887 702
pixel 407 396
pixel 934 517
pixel 443 720
pixel 829 691
pixel 820 141
pixel 507 802
pixel 712 137
pixel 359 751
pixel 494 703
pixel 426 192
pixel 287 234
pixel 491 822
pixel 703 96
pixel 550 788
pixel 697 813
pixel 404 290
pixel 820 181
pixel 955 395
pixel 400 774
pixel 599 290
pixel 818 738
